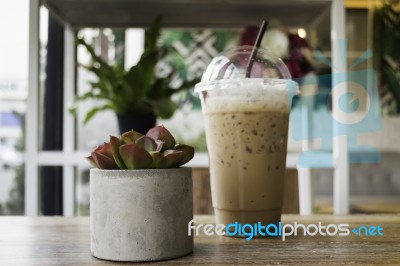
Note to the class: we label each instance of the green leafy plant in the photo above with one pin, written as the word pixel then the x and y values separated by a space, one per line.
pixel 138 89
pixel 132 150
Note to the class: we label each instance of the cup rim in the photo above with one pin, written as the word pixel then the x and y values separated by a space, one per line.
pixel 293 86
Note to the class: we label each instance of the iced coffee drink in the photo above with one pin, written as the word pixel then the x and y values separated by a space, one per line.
pixel 246 123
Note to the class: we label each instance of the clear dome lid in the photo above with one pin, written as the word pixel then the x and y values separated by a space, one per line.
pixel 232 65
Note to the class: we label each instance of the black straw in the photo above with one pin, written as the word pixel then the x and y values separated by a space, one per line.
pixel 253 55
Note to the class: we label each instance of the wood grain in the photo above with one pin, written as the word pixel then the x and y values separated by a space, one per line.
pixel 57 240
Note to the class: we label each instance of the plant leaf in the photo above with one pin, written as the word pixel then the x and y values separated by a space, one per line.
pixel 156 156
pixel 152 34
pixel 146 143
pixel 73 110
pixel 130 137
pixel 162 134
pixel 134 156
pixel 164 108
pixel 160 145
pixel 91 95
pixel 184 86
pixel 115 144
pixel 103 161
pixel 105 149
pixel 186 155
pixel 169 159
pixel 89 48
pixel 92 161
pixel 95 110
pixel 142 76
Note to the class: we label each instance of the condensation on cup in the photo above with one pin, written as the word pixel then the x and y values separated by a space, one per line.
pixel 246 122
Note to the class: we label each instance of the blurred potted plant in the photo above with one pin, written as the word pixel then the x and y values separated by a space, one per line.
pixel 137 95
pixel 141 200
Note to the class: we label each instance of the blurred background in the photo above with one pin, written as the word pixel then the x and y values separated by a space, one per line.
pixel 373 25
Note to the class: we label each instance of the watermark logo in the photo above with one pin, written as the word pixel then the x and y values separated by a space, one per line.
pixel 249 231
pixel 354 96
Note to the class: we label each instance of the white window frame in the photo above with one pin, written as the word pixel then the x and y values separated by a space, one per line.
pixel 69 158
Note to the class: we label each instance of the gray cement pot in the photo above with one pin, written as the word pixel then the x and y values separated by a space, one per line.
pixel 140 215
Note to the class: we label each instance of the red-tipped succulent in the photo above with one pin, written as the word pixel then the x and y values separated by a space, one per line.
pixel 132 150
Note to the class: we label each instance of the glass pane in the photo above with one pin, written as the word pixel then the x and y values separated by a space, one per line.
pixel 196 48
pixel 82 191
pixel 13 94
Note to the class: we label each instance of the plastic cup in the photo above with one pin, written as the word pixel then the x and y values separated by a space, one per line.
pixel 246 123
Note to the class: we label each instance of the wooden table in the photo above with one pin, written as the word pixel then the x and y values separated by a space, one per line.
pixel 59 240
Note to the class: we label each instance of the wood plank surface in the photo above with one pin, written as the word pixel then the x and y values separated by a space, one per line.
pixel 58 240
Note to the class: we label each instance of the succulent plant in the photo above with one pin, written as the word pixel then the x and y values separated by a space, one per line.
pixel 132 150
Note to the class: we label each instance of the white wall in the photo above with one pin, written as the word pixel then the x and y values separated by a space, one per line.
pixel 14 39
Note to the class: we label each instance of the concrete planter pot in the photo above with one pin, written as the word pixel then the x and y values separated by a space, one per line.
pixel 140 215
